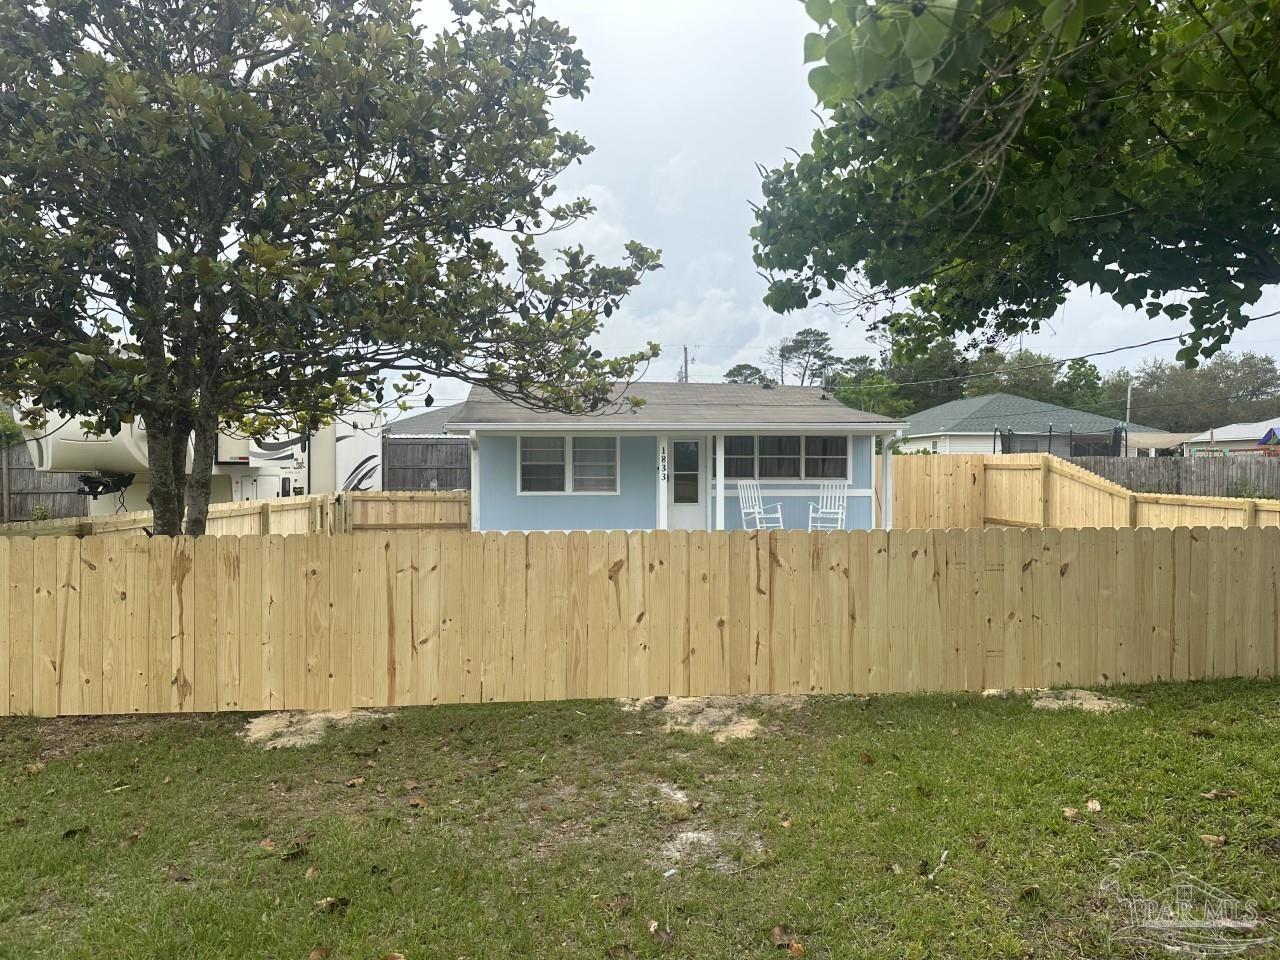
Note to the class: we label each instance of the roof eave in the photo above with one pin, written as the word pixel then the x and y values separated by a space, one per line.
pixel 869 427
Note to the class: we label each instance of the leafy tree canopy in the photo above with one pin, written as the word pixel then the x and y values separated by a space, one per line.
pixel 744 373
pixel 985 156
pixel 257 212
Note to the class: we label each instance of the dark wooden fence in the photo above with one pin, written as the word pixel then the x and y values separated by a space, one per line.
pixel 23 488
pixel 416 463
pixel 1237 476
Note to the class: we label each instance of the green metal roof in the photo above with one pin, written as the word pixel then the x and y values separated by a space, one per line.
pixel 1004 411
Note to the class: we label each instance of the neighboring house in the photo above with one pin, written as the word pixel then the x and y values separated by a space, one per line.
pixel 1233 439
pixel 659 465
pixel 417 453
pixel 975 425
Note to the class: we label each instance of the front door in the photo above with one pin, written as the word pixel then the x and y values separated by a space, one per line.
pixel 686 508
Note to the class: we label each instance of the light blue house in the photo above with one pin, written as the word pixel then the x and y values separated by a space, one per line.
pixel 673 463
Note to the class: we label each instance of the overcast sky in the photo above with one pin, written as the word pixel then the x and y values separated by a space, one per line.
pixel 688 97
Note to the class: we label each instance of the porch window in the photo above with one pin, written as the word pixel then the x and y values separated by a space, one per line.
pixel 826 458
pixel 740 457
pixel 595 464
pixel 542 464
pixel 779 458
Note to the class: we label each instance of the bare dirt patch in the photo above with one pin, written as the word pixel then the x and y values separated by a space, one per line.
pixel 274 731
pixel 1086 700
pixel 722 718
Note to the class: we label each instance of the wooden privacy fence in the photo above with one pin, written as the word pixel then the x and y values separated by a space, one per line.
pixel 1041 490
pixel 119 625
pixel 1212 476
pixel 318 513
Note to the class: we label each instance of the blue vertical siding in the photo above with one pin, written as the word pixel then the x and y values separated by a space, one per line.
pixel 634 507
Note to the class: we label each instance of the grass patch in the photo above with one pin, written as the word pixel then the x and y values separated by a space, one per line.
pixel 553 829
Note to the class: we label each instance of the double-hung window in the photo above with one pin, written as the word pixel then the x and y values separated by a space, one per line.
pixel 595 464
pixel 568 464
pixel 542 464
pixel 740 457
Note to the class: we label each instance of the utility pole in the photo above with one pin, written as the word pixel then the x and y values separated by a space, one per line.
pixel 1128 402
pixel 684 369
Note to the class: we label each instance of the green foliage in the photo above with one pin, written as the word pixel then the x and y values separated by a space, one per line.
pixel 40 512
pixel 744 373
pixel 805 357
pixel 985 156
pixel 1229 388
pixel 874 392
pixel 10 432
pixel 260 215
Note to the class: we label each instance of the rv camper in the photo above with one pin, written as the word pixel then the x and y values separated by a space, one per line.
pixel 114 474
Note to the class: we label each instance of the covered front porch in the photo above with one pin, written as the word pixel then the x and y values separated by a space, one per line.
pixel 704 478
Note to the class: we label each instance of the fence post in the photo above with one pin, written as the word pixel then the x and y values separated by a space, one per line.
pixel 1250 512
pixel 264 518
pixel 1133 509
pixel 1044 490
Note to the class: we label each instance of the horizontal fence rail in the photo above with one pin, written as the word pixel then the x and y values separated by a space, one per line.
pixel 132 625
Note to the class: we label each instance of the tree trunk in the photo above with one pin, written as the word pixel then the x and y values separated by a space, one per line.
pixel 166 460
pixel 200 483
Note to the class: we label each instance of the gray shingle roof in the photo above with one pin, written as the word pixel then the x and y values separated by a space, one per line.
pixel 729 405
pixel 429 423
pixel 1004 411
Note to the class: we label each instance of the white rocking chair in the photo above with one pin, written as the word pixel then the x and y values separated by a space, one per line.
pixel 756 515
pixel 828 513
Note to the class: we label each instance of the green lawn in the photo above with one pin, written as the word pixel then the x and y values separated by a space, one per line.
pixel 549 830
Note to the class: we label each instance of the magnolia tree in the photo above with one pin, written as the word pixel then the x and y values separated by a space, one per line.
pixel 259 214
pixel 982 157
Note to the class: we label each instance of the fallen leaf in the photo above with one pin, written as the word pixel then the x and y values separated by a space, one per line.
pixel 1213 840
pixel 167 780
pixel 355 781
pixel 955 731
pixel 794 949
pixel 1030 892
pixel 319 953
pixel 1071 813
pixel 312 872
pixel 130 839
pixel 417 803
pixel 1093 806
pixel 661 935
pixel 394 956
pixel 411 786
pixel 866 758
pixel 620 951
pixel 267 844
pixel 177 874
pixel 72 832
pixel 786 823
pixel 36 767
pixel 332 905
pixel 19 821
pixel 620 903
pixel 1217 794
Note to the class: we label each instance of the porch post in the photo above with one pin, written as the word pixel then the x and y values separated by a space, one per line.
pixel 474 444
pixel 719 481
pixel 663 470
pixel 886 481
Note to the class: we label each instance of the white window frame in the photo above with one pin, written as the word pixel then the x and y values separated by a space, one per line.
pixel 804 477
pixel 568 490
